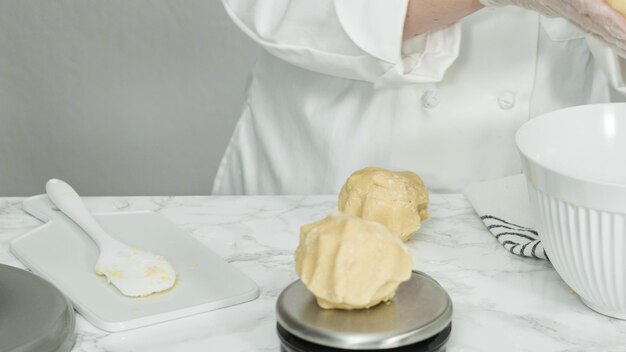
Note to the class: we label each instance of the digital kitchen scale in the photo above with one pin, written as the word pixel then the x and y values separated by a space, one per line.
pixel 417 319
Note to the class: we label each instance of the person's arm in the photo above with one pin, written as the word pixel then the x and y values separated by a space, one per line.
pixel 593 16
pixel 424 16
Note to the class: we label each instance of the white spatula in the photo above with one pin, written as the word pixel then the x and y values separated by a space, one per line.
pixel 133 271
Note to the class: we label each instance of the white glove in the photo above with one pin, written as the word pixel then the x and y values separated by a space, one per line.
pixel 594 16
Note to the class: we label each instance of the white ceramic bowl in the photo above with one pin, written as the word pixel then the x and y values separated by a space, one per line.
pixel 575 164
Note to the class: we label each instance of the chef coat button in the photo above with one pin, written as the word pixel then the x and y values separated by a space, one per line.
pixel 506 100
pixel 430 99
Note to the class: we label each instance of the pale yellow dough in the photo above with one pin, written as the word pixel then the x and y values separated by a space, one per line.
pixel 398 200
pixel 619 5
pixel 351 263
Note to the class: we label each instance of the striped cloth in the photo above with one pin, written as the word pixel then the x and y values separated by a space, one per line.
pixel 516 239
pixel 504 208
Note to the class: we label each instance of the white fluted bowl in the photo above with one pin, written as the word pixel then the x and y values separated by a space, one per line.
pixel 575 164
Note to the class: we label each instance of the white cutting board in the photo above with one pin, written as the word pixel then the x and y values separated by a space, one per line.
pixel 63 254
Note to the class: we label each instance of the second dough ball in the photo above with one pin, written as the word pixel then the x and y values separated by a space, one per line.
pixel 618 5
pixel 351 263
pixel 398 200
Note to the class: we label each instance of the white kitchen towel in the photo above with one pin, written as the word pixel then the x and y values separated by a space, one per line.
pixel 504 207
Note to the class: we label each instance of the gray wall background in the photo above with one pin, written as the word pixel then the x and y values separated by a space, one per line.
pixel 118 97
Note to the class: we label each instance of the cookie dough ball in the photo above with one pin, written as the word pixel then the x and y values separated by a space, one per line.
pixel 618 5
pixel 398 200
pixel 351 263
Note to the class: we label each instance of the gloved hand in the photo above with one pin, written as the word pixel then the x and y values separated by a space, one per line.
pixel 594 16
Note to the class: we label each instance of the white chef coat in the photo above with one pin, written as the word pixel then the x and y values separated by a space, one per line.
pixel 338 90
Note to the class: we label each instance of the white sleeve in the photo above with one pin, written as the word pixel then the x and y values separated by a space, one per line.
pixel 612 65
pixel 355 39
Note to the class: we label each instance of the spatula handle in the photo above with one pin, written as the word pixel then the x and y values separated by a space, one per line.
pixel 69 202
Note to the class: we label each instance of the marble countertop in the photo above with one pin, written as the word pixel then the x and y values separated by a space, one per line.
pixel 501 302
